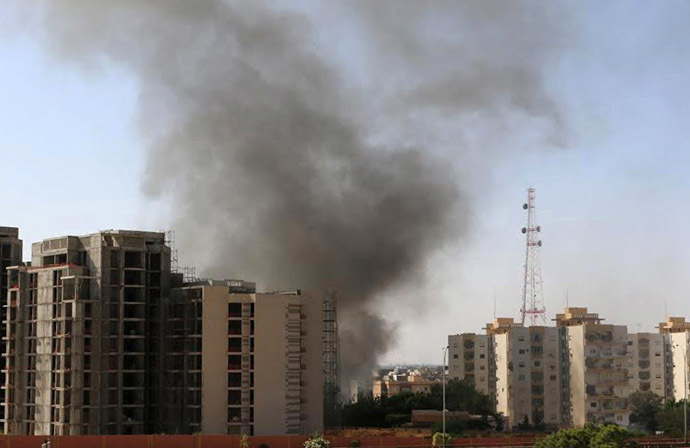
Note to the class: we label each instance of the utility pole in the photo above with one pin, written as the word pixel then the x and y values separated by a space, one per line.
pixel 532 293
pixel 443 376
pixel 685 392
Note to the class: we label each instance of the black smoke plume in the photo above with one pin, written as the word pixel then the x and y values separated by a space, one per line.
pixel 297 161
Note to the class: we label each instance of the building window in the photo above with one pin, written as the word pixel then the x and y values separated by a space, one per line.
pixel 455 356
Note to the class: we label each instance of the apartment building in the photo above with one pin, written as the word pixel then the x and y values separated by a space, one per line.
pixel 470 358
pixel 647 362
pixel 10 255
pixel 528 376
pixel 598 372
pixel 83 332
pixel 676 333
pixel 242 362
pixel 580 371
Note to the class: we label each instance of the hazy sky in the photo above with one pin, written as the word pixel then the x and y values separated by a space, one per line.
pixel 613 202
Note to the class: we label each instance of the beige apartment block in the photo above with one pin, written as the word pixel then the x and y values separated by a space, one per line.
pixel 676 333
pixel 678 344
pixel 513 376
pixel 10 255
pixel 581 371
pixel 528 376
pixel 647 363
pixel 598 373
pixel 470 358
pixel 83 333
pixel 250 363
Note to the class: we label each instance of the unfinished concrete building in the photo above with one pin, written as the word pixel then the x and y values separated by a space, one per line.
pixel 10 255
pixel 242 362
pixel 84 329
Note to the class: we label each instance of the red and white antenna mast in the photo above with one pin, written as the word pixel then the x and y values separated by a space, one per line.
pixel 532 295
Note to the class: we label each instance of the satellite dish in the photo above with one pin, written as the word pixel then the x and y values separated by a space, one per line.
pixel 539 243
pixel 524 206
pixel 524 230
pixel 538 228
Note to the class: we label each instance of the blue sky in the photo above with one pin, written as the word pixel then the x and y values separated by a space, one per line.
pixel 613 202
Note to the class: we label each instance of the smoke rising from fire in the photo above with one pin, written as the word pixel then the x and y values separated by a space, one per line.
pixel 288 164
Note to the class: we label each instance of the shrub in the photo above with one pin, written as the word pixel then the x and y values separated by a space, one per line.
pixel 244 441
pixel 354 443
pixel 317 441
pixel 437 439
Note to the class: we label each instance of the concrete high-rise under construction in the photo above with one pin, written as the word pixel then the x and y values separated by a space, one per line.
pixel 83 318
pixel 10 255
pixel 102 338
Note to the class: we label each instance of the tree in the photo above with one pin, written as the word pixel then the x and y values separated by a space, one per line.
pixel 607 436
pixel 670 418
pixel 644 409
pixel 612 436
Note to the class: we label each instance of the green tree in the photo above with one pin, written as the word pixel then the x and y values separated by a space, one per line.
pixel 670 418
pixel 607 436
pixel 612 436
pixel 644 409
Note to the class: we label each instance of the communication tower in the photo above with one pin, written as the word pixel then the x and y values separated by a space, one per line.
pixel 533 309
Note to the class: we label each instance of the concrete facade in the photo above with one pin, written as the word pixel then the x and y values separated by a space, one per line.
pixel 647 363
pixel 598 375
pixel 261 360
pixel 581 371
pixel 10 255
pixel 528 376
pixel 676 333
pixel 678 344
pixel 469 358
pixel 84 321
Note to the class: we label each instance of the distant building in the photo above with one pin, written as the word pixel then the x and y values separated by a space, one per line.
pixel 647 363
pixel 580 371
pixel 400 381
pixel 470 360
pixel 528 376
pixel 676 332
pixel 597 371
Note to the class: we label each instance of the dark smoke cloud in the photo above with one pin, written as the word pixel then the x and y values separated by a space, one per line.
pixel 265 147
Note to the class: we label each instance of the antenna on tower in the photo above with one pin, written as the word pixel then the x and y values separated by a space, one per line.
pixel 532 293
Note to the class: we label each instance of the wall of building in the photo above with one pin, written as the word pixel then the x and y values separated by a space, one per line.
pixel 468 359
pixel 678 344
pixel 214 361
pixel 647 362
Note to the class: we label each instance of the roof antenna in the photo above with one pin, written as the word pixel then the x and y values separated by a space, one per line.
pixel 567 304
pixel 494 306
pixel 665 308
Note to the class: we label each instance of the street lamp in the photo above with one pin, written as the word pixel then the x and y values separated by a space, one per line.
pixel 685 393
pixel 443 376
